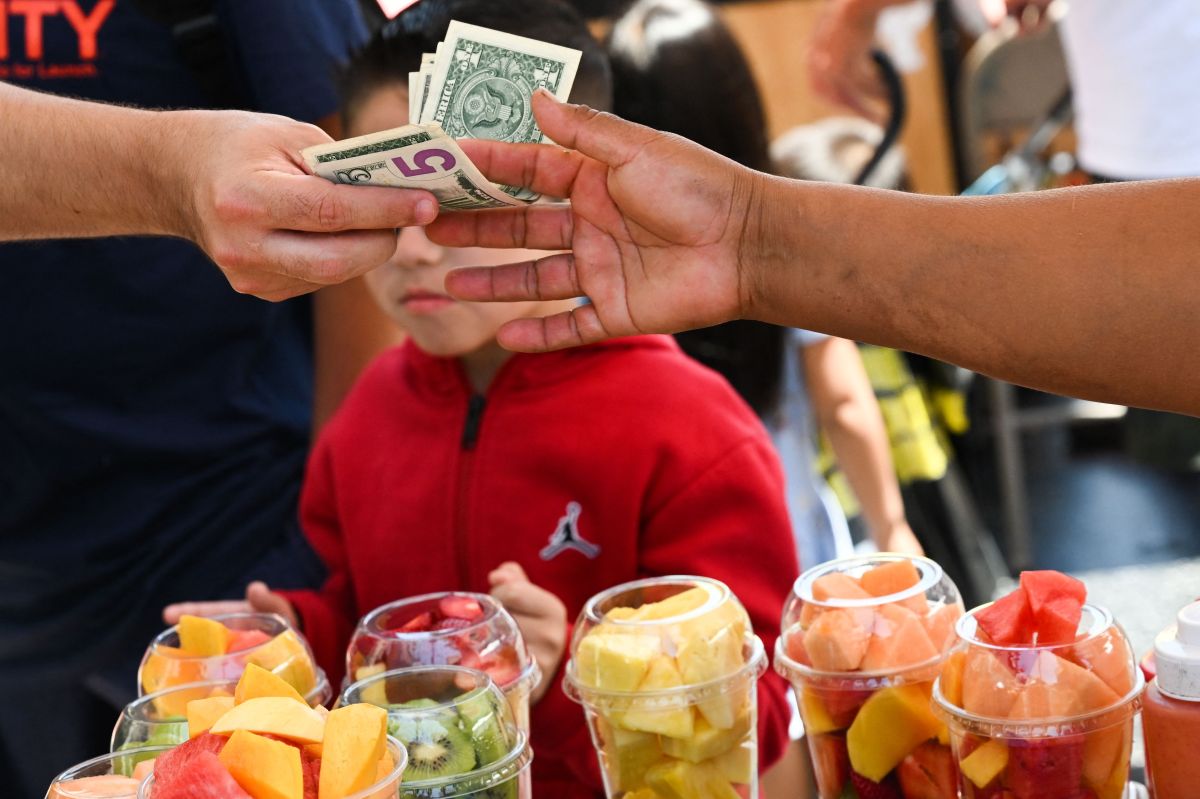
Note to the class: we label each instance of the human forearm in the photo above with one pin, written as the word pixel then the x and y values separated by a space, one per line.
pixel 1044 290
pixel 74 169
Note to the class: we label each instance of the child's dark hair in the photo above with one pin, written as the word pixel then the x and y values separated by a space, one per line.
pixel 396 48
pixel 677 68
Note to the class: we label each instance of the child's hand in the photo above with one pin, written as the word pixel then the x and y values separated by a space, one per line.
pixel 541 616
pixel 259 599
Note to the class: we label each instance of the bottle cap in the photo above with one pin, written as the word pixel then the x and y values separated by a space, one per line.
pixel 1177 652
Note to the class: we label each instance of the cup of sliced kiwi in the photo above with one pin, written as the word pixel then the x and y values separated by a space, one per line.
pixel 458 728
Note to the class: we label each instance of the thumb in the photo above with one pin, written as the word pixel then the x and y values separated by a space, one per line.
pixel 262 599
pixel 507 572
pixel 602 136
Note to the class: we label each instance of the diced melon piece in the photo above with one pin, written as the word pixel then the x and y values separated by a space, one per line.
pixel 989 687
pixel 265 768
pixel 737 765
pixel 894 577
pixel 376 692
pixel 241 640
pixel 258 682
pixel 203 713
pixel 676 605
pixel 1076 689
pixel 143 769
pixel 1109 657
pixel 890 725
pixel 679 779
pixel 273 715
pixel 1008 621
pixel 630 755
pixel 616 662
pixel 816 717
pixel 837 641
pixel 201 637
pixel 838 586
pixel 672 719
pixel 940 626
pixel 951 678
pixel 1103 751
pixel 898 639
pixel 707 741
pixel 355 740
pixel 985 763
pixel 287 656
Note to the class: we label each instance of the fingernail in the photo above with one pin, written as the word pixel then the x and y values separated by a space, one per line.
pixel 426 211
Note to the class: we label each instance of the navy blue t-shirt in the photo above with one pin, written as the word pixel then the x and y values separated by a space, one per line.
pixel 153 423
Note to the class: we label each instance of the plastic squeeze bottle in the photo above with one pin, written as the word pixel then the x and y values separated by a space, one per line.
pixel 1171 710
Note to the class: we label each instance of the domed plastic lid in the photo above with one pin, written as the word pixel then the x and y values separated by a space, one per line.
pixel 1177 652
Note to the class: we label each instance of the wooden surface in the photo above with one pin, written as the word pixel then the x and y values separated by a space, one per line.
pixel 775 35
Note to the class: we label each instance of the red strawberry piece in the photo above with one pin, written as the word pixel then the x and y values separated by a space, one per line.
pixel 1045 768
pixel 867 789
pixel 202 777
pixel 421 623
pixel 831 764
pixel 460 607
pixel 450 623
pixel 842 705
pixel 928 773
pixel 1007 621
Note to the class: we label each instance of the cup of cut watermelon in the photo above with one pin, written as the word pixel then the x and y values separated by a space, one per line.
pixel 666 670
pixel 200 649
pixel 1040 695
pixel 458 728
pixel 453 628
pixel 111 776
pixel 160 718
pixel 863 639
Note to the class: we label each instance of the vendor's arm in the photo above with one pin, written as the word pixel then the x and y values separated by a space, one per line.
pixel 1091 292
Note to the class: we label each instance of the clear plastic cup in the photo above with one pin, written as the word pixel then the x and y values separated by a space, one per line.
pixel 111 776
pixel 283 651
pixel 386 788
pixel 862 641
pixel 1052 722
pixel 666 670
pixel 490 642
pixel 159 719
pixel 459 730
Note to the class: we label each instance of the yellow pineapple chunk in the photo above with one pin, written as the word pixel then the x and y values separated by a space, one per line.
pixel 675 719
pixel 677 605
pixel 616 662
pixel 628 755
pixel 678 779
pixel 707 741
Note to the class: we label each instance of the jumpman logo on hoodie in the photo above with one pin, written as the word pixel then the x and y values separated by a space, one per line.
pixel 567 536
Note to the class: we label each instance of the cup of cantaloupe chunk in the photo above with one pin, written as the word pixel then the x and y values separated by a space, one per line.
pixel 863 639
pixel 666 670
pixel 1040 694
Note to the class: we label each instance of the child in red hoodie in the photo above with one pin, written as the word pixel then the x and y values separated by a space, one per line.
pixel 454 464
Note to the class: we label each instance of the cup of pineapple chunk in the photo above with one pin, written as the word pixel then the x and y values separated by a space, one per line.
pixel 666 669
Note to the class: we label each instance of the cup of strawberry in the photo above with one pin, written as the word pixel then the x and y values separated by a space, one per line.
pixel 1040 694
pixel 863 640
pixel 454 628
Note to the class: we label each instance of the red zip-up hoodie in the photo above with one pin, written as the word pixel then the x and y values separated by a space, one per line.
pixel 417 485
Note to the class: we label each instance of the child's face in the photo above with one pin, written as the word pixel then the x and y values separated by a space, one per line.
pixel 410 286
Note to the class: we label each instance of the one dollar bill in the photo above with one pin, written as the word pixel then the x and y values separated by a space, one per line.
pixel 411 157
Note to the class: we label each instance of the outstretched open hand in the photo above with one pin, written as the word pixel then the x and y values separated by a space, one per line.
pixel 655 229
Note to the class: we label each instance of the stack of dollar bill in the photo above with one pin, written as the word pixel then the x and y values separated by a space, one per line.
pixel 478 85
